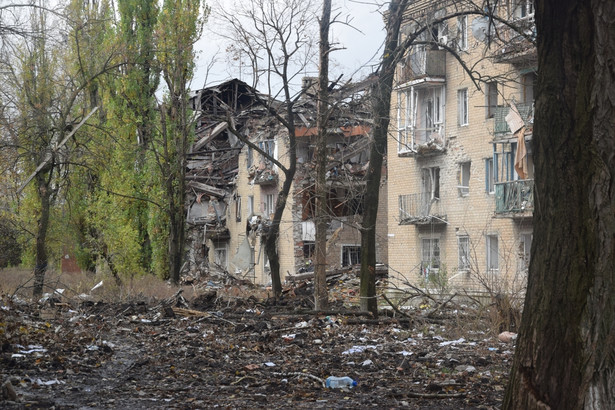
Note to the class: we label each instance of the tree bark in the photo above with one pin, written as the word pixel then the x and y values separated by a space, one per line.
pixel 565 355
pixel 41 258
pixel 381 97
pixel 321 291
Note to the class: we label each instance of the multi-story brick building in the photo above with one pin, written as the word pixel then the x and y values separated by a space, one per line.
pixel 460 191
pixel 233 188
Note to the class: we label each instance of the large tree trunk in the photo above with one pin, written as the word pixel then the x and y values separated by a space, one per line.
pixel 41 258
pixel 321 291
pixel 565 357
pixel 381 97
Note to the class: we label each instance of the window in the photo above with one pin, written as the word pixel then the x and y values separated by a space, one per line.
pixel 431 183
pixel 492 254
pixel 420 117
pixel 528 81
pixel 524 9
pixel 308 249
pixel 525 244
pixel 250 157
pixel 462 29
pixel 250 206
pixel 268 206
pixel 351 255
pixel 464 179
pixel 430 255
pixel 463 245
pixel 489 176
pixel 404 129
pixel 268 146
pixel 220 256
pixel 238 209
pixel 491 98
pixel 462 107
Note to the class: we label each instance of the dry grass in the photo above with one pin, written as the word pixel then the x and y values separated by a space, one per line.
pixel 19 282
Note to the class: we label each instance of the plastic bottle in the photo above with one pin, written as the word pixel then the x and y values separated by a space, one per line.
pixel 334 382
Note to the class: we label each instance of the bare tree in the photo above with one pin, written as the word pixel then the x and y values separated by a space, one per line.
pixel 275 35
pixel 321 294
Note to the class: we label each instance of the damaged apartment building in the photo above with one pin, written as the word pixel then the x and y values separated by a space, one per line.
pixel 233 189
pixel 463 209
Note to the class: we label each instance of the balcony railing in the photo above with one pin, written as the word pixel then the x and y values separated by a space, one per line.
pixel 418 209
pixel 526 110
pixel 514 196
pixel 425 63
pixel 422 141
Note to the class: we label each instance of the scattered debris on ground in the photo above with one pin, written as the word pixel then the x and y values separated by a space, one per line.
pixel 223 348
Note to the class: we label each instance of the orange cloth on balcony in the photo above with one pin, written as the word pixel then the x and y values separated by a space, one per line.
pixel 521 154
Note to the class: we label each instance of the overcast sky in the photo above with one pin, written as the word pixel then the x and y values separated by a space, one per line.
pixel 362 48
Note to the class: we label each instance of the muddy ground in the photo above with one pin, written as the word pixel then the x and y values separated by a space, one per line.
pixel 214 351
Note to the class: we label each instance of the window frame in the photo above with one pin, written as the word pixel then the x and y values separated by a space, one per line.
pixel 491 99
pixel 463 252
pixel 462 33
pixel 465 171
pixel 493 255
pixel 238 209
pixel 268 205
pixel 463 102
pixel 350 252
pixel 428 265
pixel 490 177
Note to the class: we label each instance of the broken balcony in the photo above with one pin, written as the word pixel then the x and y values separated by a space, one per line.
pixel 422 62
pixel 514 198
pixel 501 128
pixel 422 142
pixel 517 42
pixel 264 175
pixel 421 209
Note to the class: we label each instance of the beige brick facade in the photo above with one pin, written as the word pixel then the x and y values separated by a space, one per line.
pixel 439 200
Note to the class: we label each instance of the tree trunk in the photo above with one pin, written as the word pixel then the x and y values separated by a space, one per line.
pixel 565 355
pixel 321 292
pixel 381 97
pixel 41 258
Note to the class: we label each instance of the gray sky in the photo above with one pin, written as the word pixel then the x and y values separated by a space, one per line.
pixel 362 48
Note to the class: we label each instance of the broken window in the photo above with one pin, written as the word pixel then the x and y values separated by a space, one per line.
pixel 250 206
pixel 308 249
pixel 462 33
pixel 523 9
pixel 489 176
pixel 351 255
pixel 463 245
pixel 220 256
pixel 462 107
pixel 492 254
pixel 528 82
pixel 491 98
pixel 420 117
pixel 525 244
pixel 430 254
pixel 268 146
pixel 464 179
pixel 238 209
pixel 268 206
pixel 250 157
pixel 431 183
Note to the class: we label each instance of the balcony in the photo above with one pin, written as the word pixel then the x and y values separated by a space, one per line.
pixel 514 198
pixel 421 209
pixel 501 129
pixel 422 142
pixel 424 63
pixel 516 45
